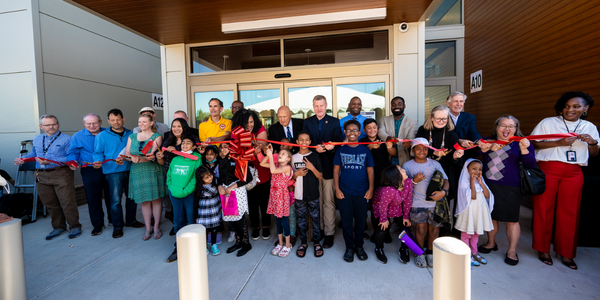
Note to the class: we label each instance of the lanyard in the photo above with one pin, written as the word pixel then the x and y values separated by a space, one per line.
pixel 574 130
pixel 44 148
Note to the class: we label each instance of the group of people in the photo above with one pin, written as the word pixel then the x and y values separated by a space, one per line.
pixel 410 177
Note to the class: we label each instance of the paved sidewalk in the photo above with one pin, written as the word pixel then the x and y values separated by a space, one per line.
pixel 101 267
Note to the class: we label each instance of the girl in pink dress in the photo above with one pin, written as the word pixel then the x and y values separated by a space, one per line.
pixel 279 199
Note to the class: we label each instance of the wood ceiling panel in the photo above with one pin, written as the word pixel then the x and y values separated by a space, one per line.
pixel 195 21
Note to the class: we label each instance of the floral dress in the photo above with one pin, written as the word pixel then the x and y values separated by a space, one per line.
pixel 279 198
pixel 146 179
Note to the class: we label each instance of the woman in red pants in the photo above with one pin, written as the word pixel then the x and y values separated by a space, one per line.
pixel 561 160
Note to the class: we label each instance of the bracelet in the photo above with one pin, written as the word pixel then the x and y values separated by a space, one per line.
pixel 593 144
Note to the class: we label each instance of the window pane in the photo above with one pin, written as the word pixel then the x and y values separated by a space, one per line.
pixel 201 100
pixel 372 96
pixel 236 57
pixel 434 96
pixel 264 102
pixel 448 12
pixel 336 49
pixel 300 100
pixel 440 59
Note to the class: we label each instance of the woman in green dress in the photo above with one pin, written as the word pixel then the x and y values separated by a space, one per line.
pixel 146 178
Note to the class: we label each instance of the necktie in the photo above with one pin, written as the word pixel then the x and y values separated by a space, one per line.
pixel 288 133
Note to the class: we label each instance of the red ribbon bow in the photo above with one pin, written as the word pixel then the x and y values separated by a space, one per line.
pixel 241 151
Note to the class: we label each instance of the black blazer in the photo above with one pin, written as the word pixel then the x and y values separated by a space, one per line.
pixel 330 132
pixel 466 127
pixel 277 133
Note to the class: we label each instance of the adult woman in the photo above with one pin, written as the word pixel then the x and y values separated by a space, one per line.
pixel 146 178
pixel 561 160
pixel 501 168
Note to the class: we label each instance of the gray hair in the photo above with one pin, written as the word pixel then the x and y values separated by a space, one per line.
pixel 456 93
pixel 92 115
pixel 48 117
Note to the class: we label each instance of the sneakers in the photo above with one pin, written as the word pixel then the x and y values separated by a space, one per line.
pixel 381 256
pixel 474 263
pixel 479 259
pixel 420 261
pixel 276 250
pixel 219 238
pixel 403 255
pixel 97 231
pixel 284 252
pixel 54 234
pixel 215 249
pixel 173 256
pixel 255 234
pixel 231 238
pixel 429 260
pixel 74 233
pixel 266 234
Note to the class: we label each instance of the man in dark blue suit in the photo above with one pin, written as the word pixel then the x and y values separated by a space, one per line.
pixel 324 128
pixel 465 124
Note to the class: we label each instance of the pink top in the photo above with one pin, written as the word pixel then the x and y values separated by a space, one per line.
pixel 388 202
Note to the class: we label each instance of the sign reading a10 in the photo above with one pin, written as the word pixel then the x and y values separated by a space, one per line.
pixel 476 81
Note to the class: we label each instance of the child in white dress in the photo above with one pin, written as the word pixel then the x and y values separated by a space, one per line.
pixel 474 207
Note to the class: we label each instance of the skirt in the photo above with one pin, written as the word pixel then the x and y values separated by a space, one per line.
pixel 507 203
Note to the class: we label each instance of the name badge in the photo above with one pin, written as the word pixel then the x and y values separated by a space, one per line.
pixel 571 155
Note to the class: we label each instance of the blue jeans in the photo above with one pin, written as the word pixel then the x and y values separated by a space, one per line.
pixel 183 211
pixel 119 183
pixel 283 226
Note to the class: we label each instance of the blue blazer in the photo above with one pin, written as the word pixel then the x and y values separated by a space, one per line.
pixel 466 127
pixel 330 132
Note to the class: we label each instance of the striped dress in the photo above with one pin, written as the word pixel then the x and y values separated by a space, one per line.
pixel 209 207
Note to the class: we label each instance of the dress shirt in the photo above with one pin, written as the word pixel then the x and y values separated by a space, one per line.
pixel 82 146
pixel 58 147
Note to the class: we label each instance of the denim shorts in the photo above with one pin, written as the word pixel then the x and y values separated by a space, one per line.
pixel 420 215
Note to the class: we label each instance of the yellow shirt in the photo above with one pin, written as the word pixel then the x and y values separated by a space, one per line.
pixel 211 129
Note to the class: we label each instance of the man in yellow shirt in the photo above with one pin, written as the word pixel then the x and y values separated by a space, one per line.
pixel 216 128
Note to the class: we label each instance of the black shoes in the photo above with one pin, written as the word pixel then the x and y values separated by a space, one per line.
pixel 244 250
pixel 173 256
pixel 266 234
pixel 403 255
pixel 361 254
pixel 255 234
pixel 136 224
pixel 511 262
pixel 172 232
pixel 117 233
pixel 487 250
pixel 366 236
pixel 328 243
pixel 97 231
pixel 234 248
pixel 348 255
pixel 381 256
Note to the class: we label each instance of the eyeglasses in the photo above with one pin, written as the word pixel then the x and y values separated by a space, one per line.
pixel 440 119
pixel 50 125
pixel 352 131
pixel 511 127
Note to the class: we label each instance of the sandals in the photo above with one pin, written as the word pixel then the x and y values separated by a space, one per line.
pixel 157 235
pixel 276 250
pixel 147 235
pixel 317 249
pixel 546 260
pixel 569 264
pixel 284 252
pixel 301 251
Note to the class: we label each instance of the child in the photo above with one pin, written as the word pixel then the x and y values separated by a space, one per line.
pixel 421 169
pixel 181 183
pixel 227 183
pixel 279 198
pixel 392 199
pixel 208 206
pixel 308 173
pixel 354 182
pixel 291 188
pixel 474 207
pixel 210 159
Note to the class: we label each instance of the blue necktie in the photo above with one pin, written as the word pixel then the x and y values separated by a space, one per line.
pixel 288 133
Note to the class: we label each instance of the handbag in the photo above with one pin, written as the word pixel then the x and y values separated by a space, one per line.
pixel 436 184
pixel 229 204
pixel 533 180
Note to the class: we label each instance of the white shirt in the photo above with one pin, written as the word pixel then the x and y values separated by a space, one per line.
pixel 557 125
pixel 298 163
pixel 454 118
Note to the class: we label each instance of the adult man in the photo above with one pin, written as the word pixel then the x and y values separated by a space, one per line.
pixel 236 105
pixel 399 126
pixel 465 124
pixel 324 128
pixel 215 128
pixel 108 145
pixel 286 127
pixel 354 108
pixel 162 128
pixel 81 150
pixel 54 182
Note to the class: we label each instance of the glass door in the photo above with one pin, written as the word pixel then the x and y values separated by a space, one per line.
pixel 299 96
pixel 202 95
pixel 436 92
pixel 265 99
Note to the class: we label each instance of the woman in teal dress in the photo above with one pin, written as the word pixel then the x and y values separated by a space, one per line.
pixel 146 178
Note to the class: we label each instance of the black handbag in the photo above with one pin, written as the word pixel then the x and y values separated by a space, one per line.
pixel 533 180
pixel 435 184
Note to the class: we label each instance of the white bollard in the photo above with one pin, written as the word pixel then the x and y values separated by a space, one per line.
pixel 191 263
pixel 12 264
pixel 452 269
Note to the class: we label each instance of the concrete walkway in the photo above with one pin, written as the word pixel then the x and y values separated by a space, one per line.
pixel 101 267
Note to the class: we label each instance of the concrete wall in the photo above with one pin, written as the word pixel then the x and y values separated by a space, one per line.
pixel 64 61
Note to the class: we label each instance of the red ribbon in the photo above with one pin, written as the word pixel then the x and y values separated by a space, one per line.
pixel 192 157
pixel 68 163
pixel 148 147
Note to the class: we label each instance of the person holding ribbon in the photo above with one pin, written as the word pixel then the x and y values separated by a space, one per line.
pixel 146 180
pixel 53 179
pixel 501 169
pixel 561 160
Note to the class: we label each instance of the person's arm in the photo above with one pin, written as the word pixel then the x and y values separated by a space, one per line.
pixel 472 180
pixel 382 132
pixel 528 156
pixel 406 197
pixel 74 152
pixel 191 186
pixel 486 191
pixel 391 149
pixel 336 182
pixel 371 176
pixel 384 203
pixel 439 195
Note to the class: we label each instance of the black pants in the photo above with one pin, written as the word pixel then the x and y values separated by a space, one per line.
pixel 213 234
pixel 353 209
pixel 94 182
pixel 378 234
pixel 258 200
pixel 241 231
pixel 303 209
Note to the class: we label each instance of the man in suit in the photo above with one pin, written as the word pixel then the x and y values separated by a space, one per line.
pixel 324 128
pixel 465 124
pixel 398 125
pixel 287 127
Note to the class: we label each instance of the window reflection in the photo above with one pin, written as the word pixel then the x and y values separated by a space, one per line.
pixel 201 100
pixel 300 100
pixel 265 102
pixel 440 59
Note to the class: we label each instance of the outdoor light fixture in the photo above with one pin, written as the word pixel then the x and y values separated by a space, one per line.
pixel 306 20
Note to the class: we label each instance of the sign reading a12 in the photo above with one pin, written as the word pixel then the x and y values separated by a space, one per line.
pixel 476 81
pixel 157 101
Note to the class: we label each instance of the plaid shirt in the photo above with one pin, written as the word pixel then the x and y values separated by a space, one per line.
pixel 209 207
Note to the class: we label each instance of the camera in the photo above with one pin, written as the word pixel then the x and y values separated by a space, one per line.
pixel 403 27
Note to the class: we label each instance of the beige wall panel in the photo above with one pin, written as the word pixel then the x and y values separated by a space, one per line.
pixel 16 37
pixel 74 52
pixel 407 42
pixel 13 5
pixel 406 84
pixel 175 57
pixel 80 18
pixel 17 96
pixel 176 94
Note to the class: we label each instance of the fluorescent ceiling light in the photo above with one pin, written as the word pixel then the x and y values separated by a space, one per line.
pixel 307 20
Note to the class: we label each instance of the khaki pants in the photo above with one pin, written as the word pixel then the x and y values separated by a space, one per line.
pixel 57 192
pixel 327 206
